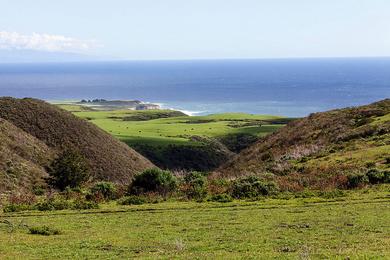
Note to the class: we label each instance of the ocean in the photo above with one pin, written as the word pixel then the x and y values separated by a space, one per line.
pixel 287 87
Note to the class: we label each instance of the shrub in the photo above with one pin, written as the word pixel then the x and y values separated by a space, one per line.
pixel 16 208
pixel 223 198
pixel 53 204
pixel 376 176
pixel 370 164
pixel 251 187
pixel 106 189
pixel 153 180
pixel 387 160
pixel 357 180
pixel 195 185
pixel 69 169
pixel 132 200
pixel 72 193
pixel 44 231
pixel 218 186
pixel 38 190
pixel 332 194
pixel 84 204
pixel 22 198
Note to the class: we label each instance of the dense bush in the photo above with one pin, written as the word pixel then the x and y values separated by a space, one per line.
pixel 251 187
pixel 195 186
pixel 53 204
pixel 221 198
pixel 332 194
pixel 44 231
pixel 153 180
pixel 8 208
pixel 376 176
pixel 61 204
pixel 132 200
pixel 356 180
pixel 38 190
pixel 68 169
pixel 106 190
pixel 84 204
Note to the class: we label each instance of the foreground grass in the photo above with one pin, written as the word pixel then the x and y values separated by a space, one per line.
pixel 356 226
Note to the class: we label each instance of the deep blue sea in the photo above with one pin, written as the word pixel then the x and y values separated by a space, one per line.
pixel 290 87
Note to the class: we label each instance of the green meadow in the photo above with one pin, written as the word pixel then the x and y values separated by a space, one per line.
pixel 147 128
pixel 353 226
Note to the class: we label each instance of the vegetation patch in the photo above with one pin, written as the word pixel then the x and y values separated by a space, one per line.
pixel 153 180
pixel 43 230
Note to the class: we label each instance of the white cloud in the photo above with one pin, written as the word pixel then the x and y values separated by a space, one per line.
pixel 44 42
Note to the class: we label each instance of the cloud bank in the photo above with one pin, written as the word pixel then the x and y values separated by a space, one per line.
pixel 44 42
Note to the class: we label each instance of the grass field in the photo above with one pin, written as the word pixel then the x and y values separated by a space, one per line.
pixel 175 130
pixel 353 227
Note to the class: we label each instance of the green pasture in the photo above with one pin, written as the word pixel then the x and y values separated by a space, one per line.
pixel 356 226
pixel 176 130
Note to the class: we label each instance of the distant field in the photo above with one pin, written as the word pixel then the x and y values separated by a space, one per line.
pixel 353 227
pixel 133 126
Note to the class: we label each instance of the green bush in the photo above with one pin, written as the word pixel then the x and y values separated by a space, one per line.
pixel 332 194
pixel 38 190
pixel 84 204
pixel 153 180
pixel 252 187
pixel 106 189
pixel 223 198
pixel 53 204
pixel 16 207
pixel 44 231
pixel 132 200
pixel 376 176
pixel 61 204
pixel 357 180
pixel 69 169
pixel 195 186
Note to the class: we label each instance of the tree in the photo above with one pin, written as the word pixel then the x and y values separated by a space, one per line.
pixel 69 169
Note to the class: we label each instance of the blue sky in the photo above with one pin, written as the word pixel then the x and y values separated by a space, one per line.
pixel 198 29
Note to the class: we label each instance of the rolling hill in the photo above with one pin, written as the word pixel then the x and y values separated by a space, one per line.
pixel 173 140
pixel 319 151
pixel 22 158
pixel 34 131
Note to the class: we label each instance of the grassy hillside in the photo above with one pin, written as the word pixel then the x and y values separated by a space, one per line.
pixel 352 227
pixel 59 130
pixel 319 151
pixel 173 140
pixel 22 158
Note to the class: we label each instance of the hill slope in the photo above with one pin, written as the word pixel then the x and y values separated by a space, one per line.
pixel 108 158
pixel 319 150
pixel 22 158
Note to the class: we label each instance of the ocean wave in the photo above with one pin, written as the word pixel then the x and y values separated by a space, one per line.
pixel 187 112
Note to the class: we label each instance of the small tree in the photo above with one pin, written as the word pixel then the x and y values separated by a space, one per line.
pixel 69 169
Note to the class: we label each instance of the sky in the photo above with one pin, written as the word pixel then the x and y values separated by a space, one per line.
pixel 198 29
